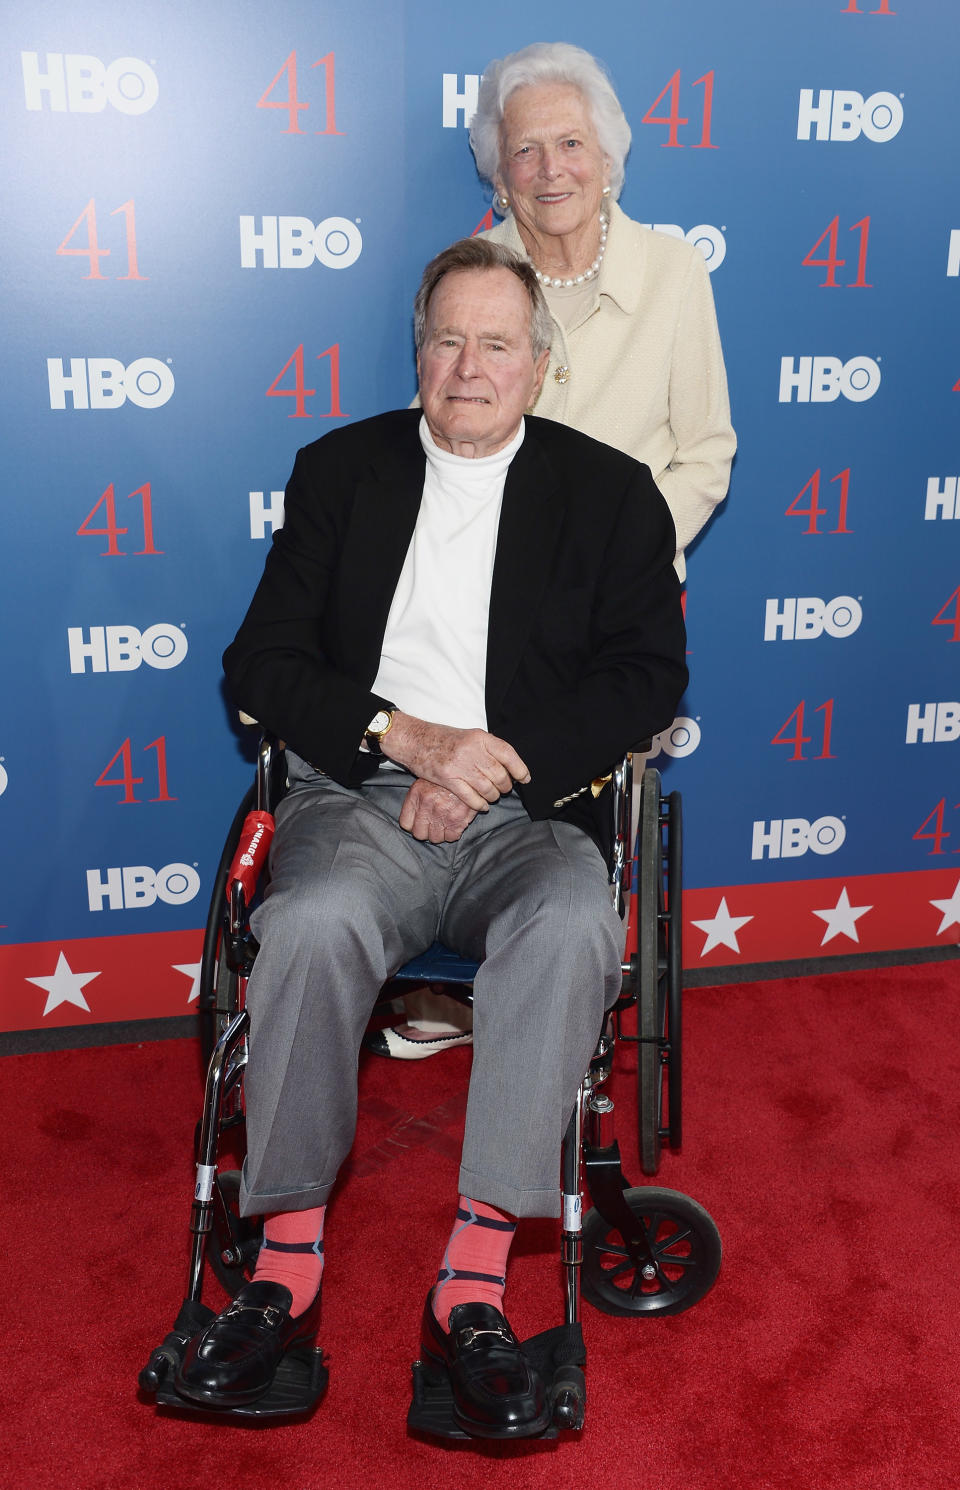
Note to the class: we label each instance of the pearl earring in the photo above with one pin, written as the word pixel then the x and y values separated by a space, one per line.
pixel 502 204
pixel 605 192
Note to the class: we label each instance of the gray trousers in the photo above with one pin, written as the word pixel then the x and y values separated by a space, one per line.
pixel 351 898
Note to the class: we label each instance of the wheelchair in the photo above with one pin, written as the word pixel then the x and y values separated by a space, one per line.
pixel 636 1251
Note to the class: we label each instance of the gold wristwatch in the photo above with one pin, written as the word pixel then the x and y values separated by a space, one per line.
pixel 380 725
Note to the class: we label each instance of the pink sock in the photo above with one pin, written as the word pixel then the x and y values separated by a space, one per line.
pixel 292 1254
pixel 475 1263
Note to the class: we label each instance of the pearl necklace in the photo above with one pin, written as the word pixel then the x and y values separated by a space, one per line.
pixel 565 284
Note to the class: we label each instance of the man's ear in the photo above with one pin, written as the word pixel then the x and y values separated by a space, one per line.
pixel 540 371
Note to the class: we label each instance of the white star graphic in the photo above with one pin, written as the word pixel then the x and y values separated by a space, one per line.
pixel 192 971
pixel 950 908
pixel 64 986
pixel 722 929
pixel 842 919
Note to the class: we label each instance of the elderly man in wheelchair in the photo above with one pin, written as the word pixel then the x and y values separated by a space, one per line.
pixel 469 615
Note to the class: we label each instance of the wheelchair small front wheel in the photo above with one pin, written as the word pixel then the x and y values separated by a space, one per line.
pixel 685 1245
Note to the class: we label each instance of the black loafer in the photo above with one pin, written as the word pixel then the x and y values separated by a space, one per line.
pixel 496 1391
pixel 235 1359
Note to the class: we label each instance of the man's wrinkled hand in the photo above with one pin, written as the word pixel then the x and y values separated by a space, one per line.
pixel 474 765
pixel 433 814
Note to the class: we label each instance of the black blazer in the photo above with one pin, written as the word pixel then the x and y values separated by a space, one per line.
pixel 585 649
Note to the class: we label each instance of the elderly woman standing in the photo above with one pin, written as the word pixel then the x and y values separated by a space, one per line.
pixel 635 359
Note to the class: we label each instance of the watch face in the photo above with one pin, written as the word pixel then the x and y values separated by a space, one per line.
pixel 379 723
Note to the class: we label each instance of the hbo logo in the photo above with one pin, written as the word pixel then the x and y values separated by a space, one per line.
pixel 844 115
pixel 933 722
pixel 457 100
pixel 820 380
pixel 682 738
pixel 104 383
pixel 709 240
pixel 789 837
pixel 804 617
pixel 82 85
pixel 294 242
pixel 139 886
pixel 121 649
pixel 943 500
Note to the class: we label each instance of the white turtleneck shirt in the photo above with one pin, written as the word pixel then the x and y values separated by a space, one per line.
pixel 434 658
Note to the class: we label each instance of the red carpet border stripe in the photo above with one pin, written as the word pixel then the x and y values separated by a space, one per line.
pixel 99 979
pixel 730 924
pixel 96 980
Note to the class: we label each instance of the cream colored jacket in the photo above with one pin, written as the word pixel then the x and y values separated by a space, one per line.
pixel 645 369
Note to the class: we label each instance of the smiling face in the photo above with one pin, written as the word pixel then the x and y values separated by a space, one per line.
pixel 476 365
pixel 551 165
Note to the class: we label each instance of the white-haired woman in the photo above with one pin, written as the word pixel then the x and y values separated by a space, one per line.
pixel 635 359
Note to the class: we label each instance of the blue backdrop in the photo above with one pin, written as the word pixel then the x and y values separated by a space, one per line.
pixel 216 222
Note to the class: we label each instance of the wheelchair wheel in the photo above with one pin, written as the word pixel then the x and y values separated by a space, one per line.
pixel 673 924
pixel 658 973
pixel 233 1244
pixel 682 1238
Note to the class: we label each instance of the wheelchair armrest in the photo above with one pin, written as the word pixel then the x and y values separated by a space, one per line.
pixel 621 810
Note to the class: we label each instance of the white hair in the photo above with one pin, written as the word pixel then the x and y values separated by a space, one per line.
pixel 480 254
pixel 549 62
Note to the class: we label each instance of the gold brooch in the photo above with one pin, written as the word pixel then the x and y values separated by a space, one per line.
pixel 561 375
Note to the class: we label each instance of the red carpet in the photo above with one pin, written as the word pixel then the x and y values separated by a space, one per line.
pixel 821 1133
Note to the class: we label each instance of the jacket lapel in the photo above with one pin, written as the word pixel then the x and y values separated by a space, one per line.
pixel 385 507
pixel 531 518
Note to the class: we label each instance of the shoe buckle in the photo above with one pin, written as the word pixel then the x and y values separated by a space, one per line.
pixel 270 1315
pixel 470 1334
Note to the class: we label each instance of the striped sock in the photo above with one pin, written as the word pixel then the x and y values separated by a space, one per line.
pixel 474 1266
pixel 292 1254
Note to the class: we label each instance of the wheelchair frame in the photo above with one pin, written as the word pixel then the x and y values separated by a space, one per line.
pixel 639 1251
pixel 652 972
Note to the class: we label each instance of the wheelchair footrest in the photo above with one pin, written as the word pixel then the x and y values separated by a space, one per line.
pixel 559 1356
pixel 297 1387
